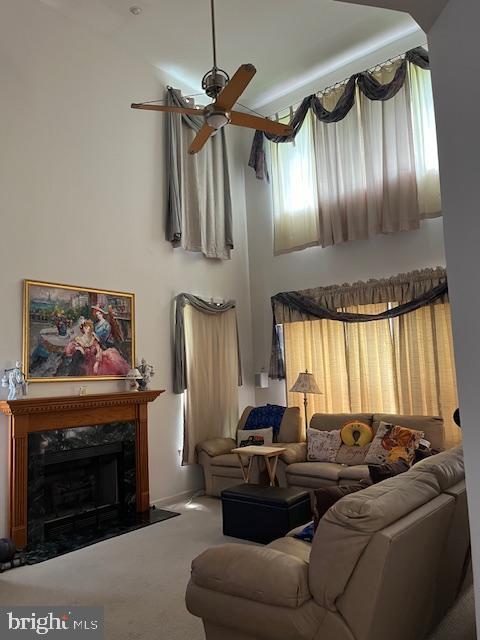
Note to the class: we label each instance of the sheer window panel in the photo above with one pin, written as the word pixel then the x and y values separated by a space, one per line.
pixel 370 363
pixel 425 141
pixel 318 346
pixel 425 365
pixel 294 193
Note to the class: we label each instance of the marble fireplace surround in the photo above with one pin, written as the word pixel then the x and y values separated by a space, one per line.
pixel 33 415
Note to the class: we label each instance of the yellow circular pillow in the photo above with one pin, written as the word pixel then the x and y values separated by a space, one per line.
pixel 356 433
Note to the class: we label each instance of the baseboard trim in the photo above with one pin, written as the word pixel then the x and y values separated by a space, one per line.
pixel 178 497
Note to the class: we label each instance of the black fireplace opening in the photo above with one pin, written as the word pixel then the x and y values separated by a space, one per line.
pixel 82 489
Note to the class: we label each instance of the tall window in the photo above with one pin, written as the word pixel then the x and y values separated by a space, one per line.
pixel 375 171
pixel 403 366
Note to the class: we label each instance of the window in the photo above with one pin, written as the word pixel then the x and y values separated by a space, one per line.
pixel 374 171
pixel 402 366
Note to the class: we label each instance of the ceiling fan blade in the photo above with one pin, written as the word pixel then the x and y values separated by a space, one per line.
pixel 236 86
pixel 201 138
pixel 262 124
pixel 164 107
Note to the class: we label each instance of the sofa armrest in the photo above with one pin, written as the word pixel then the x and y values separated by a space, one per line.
pixel 295 452
pixel 260 574
pixel 217 446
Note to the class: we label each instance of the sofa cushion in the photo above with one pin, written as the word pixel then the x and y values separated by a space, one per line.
pixel 354 473
pixel 432 426
pixel 326 470
pixel 280 579
pixel 331 421
pixel 352 455
pixel 291 427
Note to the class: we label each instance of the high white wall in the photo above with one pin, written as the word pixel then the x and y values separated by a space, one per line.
pixel 379 257
pixel 82 201
pixel 455 69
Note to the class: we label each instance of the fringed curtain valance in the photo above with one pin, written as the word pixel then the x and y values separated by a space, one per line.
pixel 367 84
pixel 409 291
pixel 204 306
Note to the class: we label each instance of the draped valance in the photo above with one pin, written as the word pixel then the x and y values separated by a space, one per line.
pixel 409 291
pixel 366 83
pixel 204 306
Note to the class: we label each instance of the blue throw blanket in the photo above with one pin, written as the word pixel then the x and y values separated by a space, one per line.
pixel 270 415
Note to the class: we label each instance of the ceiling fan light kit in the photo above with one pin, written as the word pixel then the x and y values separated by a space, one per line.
pixel 225 93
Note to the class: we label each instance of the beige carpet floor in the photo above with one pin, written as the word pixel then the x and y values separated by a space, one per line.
pixel 140 578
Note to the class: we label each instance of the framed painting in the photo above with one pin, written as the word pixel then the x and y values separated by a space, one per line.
pixel 76 333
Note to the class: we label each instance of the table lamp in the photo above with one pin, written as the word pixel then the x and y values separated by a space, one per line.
pixel 305 383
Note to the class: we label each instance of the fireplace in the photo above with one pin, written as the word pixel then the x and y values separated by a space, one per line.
pixel 80 481
pixel 77 464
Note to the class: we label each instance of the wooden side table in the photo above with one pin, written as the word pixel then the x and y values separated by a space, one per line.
pixel 267 453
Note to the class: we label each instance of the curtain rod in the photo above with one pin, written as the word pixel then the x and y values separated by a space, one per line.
pixel 338 84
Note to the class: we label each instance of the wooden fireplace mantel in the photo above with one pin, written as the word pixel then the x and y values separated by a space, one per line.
pixel 32 415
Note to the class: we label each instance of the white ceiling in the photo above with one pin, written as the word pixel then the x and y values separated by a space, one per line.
pixel 287 40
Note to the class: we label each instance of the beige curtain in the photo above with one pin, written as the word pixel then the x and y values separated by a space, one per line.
pixel 318 346
pixel 425 365
pixel 375 171
pixel 211 398
pixel 370 358
pixel 404 366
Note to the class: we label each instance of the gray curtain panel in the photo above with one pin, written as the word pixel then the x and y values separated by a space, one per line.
pixel 411 291
pixel 179 363
pixel 199 205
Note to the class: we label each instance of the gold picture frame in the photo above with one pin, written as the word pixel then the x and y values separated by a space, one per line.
pixel 76 333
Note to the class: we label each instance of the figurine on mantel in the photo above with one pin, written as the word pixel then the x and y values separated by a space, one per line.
pixel 147 372
pixel 15 380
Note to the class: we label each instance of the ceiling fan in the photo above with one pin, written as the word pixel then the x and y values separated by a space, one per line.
pixel 225 93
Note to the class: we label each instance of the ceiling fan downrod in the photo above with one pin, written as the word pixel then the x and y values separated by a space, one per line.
pixel 215 79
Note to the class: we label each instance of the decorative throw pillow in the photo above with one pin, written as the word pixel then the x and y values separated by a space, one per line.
pixel 379 472
pixel 351 456
pixel 258 437
pixel 356 433
pixel 323 446
pixel 270 415
pixel 306 533
pixel 392 443
pixel 326 497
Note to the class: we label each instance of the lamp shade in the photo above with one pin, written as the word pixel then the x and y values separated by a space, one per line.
pixel 305 383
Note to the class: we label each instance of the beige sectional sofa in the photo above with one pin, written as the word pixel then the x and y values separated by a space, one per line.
pixel 221 467
pixel 312 475
pixel 386 562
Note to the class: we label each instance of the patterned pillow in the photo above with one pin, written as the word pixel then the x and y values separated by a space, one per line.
pixel 270 415
pixel 323 446
pixel 256 437
pixel 392 443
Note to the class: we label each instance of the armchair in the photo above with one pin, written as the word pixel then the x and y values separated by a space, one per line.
pixel 221 468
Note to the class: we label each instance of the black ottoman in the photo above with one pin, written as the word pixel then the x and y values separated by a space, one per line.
pixel 262 514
